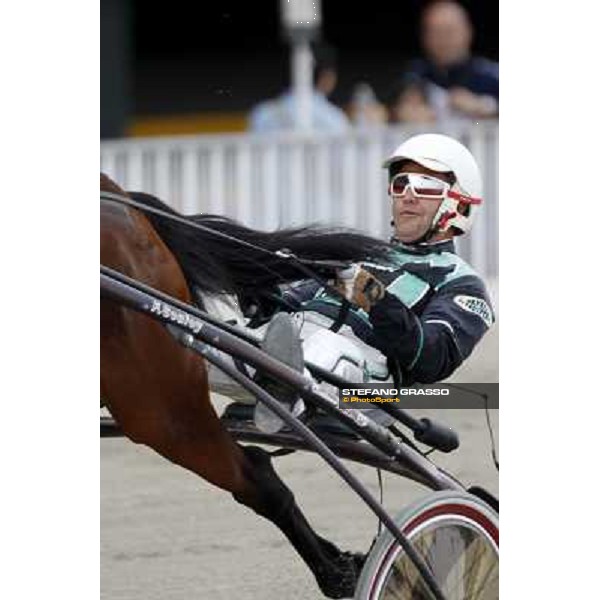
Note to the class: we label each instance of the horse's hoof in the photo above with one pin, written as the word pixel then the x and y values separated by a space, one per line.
pixel 359 562
pixel 340 582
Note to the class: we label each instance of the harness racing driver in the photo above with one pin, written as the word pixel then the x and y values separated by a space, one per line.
pixel 423 311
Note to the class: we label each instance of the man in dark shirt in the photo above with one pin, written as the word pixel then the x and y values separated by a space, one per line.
pixel 459 82
pixel 423 309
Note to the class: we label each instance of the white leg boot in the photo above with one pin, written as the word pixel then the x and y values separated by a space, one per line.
pixel 281 341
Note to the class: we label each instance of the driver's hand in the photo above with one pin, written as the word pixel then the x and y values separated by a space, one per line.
pixel 359 287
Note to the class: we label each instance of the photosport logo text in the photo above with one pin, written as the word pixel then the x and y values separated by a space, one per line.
pixel 437 395
pixel 384 395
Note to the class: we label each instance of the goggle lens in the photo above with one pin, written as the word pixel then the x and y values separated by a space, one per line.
pixel 421 185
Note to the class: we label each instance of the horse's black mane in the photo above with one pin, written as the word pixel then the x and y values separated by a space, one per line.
pixel 213 264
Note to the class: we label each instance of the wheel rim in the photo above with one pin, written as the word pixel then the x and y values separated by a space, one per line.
pixel 460 546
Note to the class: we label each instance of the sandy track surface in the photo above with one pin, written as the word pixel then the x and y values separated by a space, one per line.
pixel 166 534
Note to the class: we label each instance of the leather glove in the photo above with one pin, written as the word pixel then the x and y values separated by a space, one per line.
pixel 359 287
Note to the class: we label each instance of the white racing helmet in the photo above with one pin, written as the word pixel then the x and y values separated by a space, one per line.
pixel 446 155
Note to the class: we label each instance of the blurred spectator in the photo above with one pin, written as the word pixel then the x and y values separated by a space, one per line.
pixel 460 85
pixel 280 113
pixel 364 108
pixel 410 103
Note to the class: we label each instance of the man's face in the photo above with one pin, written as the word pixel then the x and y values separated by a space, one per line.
pixel 413 216
pixel 326 82
pixel 446 34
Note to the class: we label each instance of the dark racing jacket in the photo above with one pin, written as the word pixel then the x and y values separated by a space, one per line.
pixel 434 311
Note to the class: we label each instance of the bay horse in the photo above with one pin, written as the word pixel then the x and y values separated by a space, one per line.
pixel 157 391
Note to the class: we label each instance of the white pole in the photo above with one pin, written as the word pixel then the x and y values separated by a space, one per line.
pixel 302 84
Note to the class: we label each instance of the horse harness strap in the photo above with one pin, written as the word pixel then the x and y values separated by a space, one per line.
pixel 302 265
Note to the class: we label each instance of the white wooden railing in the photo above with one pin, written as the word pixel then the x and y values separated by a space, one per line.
pixel 272 181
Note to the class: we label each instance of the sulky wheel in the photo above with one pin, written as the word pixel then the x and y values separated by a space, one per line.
pixel 457 535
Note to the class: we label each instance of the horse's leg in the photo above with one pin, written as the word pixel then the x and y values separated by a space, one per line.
pixel 182 426
pixel 336 572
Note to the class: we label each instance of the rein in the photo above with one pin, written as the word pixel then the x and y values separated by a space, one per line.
pixel 305 266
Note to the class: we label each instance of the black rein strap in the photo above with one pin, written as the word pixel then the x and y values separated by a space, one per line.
pixel 303 265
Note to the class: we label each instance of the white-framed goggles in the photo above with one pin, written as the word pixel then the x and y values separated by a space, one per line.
pixel 427 187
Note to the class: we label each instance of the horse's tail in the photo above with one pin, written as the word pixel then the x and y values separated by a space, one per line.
pixel 215 263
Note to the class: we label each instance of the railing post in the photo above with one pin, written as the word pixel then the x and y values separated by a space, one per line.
pixel 478 232
pixel 323 197
pixel 295 188
pixel 160 174
pixel 216 169
pixel 190 188
pixel 108 162
pixel 134 179
pixel 270 217
pixel 378 207
pixel 349 198
pixel 243 185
